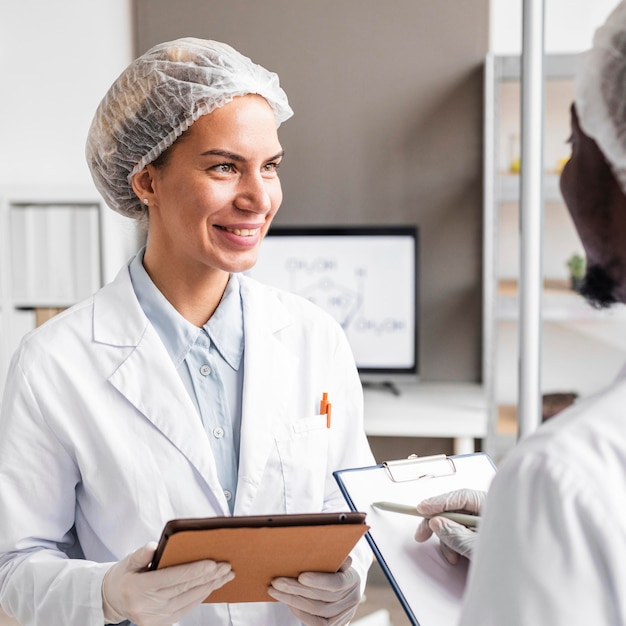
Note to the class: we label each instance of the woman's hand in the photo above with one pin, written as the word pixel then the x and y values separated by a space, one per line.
pixel 160 597
pixel 321 599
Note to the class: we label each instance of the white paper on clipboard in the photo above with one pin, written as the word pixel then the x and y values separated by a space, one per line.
pixel 428 587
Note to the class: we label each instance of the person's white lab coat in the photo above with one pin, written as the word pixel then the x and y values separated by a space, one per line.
pixel 5 620
pixel 99 435
pixel 552 544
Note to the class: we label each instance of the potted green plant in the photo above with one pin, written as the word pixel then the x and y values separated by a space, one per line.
pixel 577 266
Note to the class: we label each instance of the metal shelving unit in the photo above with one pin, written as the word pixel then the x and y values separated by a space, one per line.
pixel 572 332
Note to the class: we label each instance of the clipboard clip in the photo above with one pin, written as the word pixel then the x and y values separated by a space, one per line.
pixel 419 467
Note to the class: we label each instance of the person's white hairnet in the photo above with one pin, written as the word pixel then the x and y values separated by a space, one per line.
pixel 159 96
pixel 601 91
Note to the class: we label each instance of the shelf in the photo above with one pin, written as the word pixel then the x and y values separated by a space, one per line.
pixel 43 314
pixel 556 66
pixel 507 419
pixel 50 256
pixel 507 187
pixel 559 304
pixel 553 403
pixel 573 333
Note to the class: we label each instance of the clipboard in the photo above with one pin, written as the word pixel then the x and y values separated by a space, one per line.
pixel 429 589
pixel 261 547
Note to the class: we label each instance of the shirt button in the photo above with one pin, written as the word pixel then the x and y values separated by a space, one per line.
pixel 205 370
pixel 218 432
pixel 228 494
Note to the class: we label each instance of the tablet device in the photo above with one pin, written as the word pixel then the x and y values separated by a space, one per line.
pixel 261 547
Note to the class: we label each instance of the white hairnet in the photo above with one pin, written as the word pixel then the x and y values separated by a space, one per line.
pixel 159 96
pixel 601 91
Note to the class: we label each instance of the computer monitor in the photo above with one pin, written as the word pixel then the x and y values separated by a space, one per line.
pixel 366 277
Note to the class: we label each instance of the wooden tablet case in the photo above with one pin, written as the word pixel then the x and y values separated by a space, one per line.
pixel 261 548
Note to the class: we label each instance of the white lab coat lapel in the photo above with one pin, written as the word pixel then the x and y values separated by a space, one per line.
pixel 270 377
pixel 147 378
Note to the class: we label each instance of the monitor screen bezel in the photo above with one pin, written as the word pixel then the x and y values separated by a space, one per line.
pixel 373 375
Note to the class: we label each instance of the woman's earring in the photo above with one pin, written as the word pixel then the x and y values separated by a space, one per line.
pixel 146 201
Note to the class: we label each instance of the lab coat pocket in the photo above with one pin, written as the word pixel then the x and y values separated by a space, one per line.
pixel 302 447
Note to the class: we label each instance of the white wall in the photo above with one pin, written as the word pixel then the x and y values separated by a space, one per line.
pixel 569 24
pixel 57 59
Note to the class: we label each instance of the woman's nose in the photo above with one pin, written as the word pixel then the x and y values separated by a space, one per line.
pixel 255 193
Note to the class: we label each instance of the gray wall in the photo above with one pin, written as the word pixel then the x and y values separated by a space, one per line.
pixel 387 97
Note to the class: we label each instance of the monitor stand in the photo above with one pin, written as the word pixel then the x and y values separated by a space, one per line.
pixel 385 385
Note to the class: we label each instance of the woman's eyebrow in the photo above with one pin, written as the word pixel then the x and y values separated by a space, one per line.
pixel 223 153
pixel 236 157
pixel 280 155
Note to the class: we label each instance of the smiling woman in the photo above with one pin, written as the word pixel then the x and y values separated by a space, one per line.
pixel 183 388
pixel 211 203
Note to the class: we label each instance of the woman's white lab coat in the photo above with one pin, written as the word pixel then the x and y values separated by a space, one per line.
pixel 99 440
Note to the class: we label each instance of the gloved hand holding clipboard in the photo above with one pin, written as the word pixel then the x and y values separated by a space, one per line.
pixel 429 588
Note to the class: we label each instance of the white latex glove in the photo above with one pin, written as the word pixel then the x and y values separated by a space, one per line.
pixel 160 597
pixel 321 599
pixel 456 539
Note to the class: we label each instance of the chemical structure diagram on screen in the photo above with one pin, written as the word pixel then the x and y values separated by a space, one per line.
pixel 340 291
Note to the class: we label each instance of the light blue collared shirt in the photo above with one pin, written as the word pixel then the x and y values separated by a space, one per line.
pixel 209 361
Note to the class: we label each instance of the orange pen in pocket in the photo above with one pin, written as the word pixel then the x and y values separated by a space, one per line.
pixel 325 408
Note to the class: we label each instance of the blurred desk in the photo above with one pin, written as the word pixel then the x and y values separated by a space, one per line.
pixel 455 410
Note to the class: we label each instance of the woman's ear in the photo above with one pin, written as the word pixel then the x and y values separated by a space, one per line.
pixel 143 185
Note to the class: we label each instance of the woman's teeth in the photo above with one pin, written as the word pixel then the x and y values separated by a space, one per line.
pixel 243 232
